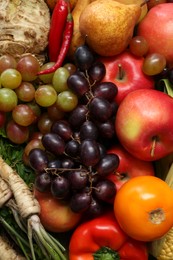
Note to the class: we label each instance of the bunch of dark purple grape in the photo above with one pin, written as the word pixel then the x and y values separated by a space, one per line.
pixel 75 163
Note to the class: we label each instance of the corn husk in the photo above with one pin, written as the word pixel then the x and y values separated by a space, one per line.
pixel 162 249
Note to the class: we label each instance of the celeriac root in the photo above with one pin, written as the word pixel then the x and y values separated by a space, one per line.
pixel 24 198
pixel 8 252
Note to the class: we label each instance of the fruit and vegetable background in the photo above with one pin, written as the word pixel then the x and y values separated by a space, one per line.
pixel 86 129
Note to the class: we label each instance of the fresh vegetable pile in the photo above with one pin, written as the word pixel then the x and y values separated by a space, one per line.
pixel 86 130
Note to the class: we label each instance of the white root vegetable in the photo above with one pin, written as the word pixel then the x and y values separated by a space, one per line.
pixel 5 193
pixel 29 210
pixel 8 252
pixel 24 27
pixel 25 200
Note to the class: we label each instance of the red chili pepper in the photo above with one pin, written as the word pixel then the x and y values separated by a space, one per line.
pixel 102 238
pixel 68 32
pixel 58 21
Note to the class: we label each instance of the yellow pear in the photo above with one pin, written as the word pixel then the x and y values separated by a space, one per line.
pixel 108 26
pixel 144 7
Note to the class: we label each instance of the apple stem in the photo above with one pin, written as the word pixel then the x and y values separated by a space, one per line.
pixel 153 146
pixel 120 72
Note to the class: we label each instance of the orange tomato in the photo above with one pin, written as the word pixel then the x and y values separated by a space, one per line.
pixel 143 208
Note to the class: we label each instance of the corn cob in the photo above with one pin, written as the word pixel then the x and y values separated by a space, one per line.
pixel 162 248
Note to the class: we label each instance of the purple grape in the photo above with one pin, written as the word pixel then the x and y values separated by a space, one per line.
pixel 78 179
pixel 95 209
pixel 62 128
pixel 97 71
pixel 53 143
pixel 88 130
pixel 78 84
pixel 108 164
pixel 106 129
pixel 43 182
pixel 79 202
pixel 83 57
pixel 38 159
pixel 100 109
pixel 60 187
pixel 72 148
pixel 78 116
pixel 89 152
pixel 106 90
pixel 54 164
pixel 105 190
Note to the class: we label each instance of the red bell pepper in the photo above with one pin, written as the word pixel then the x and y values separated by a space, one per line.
pixel 103 239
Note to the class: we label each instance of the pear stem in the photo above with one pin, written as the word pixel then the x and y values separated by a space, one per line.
pixel 144 2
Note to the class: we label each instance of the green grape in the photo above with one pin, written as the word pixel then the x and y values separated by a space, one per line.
pixel 7 62
pixel 8 99
pixel 28 66
pixel 59 80
pixel 70 67
pixel 23 115
pixel 26 91
pixel 67 100
pixel 45 95
pixel 138 46
pixel 47 78
pixel 11 78
pixel 153 64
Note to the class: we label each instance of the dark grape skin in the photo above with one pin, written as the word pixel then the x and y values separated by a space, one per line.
pixel 53 143
pixel 79 202
pixel 105 190
pixel 83 57
pixel 43 182
pixel 108 164
pixel 72 148
pixel 67 163
pixel 106 129
pixel 97 71
pixel 38 159
pixel 106 90
pixel 95 209
pixel 78 116
pixel 89 152
pixel 88 130
pixel 60 187
pixel 54 164
pixel 78 84
pixel 100 109
pixel 78 179
pixel 62 128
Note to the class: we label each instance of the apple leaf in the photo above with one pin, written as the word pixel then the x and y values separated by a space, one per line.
pixel 165 86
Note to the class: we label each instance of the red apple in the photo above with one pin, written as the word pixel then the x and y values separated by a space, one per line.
pixel 144 124
pixel 125 70
pixel 129 166
pixel 157 28
pixel 55 215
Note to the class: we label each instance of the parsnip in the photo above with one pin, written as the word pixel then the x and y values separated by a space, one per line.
pixel 77 38
pixel 8 252
pixel 29 210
